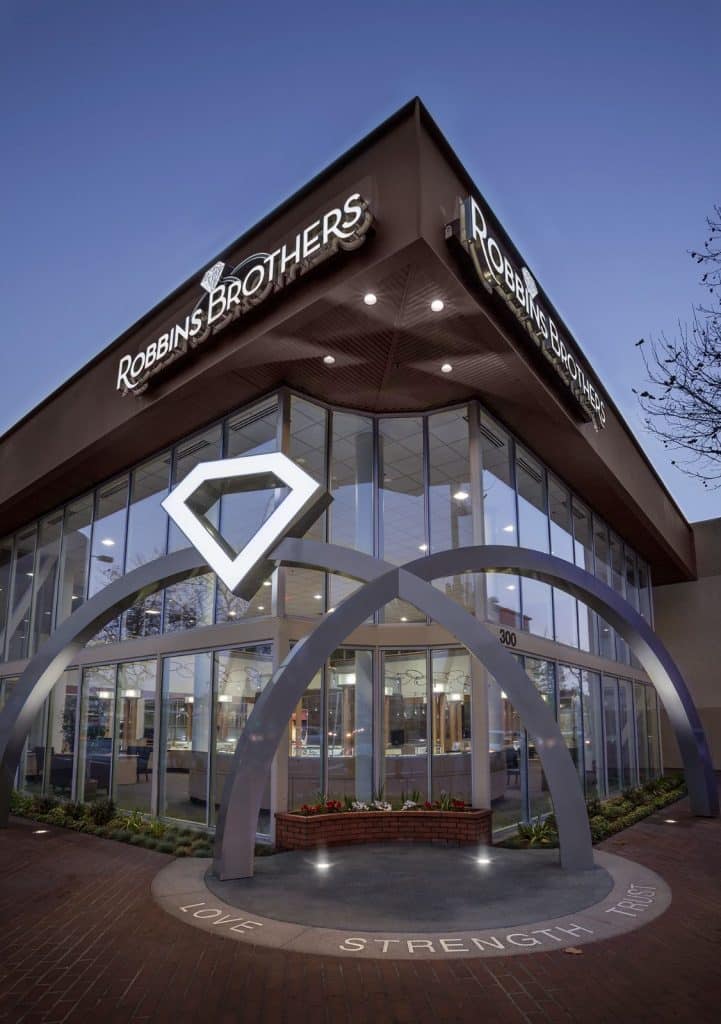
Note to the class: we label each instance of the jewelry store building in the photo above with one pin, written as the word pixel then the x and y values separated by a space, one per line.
pixel 381 330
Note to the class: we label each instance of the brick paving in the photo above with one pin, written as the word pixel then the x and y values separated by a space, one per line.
pixel 81 940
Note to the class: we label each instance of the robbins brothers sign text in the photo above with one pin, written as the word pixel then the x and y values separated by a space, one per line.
pixel 498 273
pixel 228 296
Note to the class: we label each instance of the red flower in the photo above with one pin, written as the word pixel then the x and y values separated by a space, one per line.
pixel 428 806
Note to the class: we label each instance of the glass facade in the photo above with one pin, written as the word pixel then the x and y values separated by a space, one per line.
pixel 157 732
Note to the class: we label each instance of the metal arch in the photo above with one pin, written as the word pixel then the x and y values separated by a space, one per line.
pixel 631 626
pixel 242 794
pixel 44 670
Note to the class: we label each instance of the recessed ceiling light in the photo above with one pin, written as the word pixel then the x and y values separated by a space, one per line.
pixel 422 547
pixel 511 586
pixel 152 611
pixel 370 299
pixel 108 542
pixel 328 360
pixel 446 368
pixel 30 574
pixel 261 607
pixel 267 583
pixel 437 305
pixel 404 618
pixel 318 597
pixel 232 614
pixel 460 495
pixel 509 529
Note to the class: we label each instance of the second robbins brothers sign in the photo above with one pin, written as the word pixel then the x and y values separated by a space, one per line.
pixel 498 272
pixel 228 295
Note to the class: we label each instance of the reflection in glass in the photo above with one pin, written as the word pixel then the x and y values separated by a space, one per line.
pixel 132 771
pixel 305 741
pixel 592 734
pixel 503 595
pixel 108 548
pixel 570 718
pixel 602 553
pixel 543 674
pixel 186 705
pixel 6 551
pixel 642 737
pixel 33 765
pixel 305 588
pixel 450 500
pixel 350 724
pixel 46 570
pixel 147 534
pixel 405 725
pixel 627 748
pixel 654 744
pixel 253 432
pixel 451 723
pixel 351 483
pixel 402 505
pixel 533 533
pixel 240 677
pixel 190 603
pixel 63 722
pixel 18 628
pixel 644 590
pixel 74 556
pixel 507 756
pixel 583 551
pixel 564 605
pixel 96 733
pixel 614 780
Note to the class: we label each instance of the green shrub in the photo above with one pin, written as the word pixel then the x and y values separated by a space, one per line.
pixel 165 847
pixel 101 812
pixel 599 828
pixel 201 851
pixel 593 806
pixel 538 833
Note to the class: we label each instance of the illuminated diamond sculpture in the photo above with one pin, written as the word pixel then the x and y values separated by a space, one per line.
pixel 243 571
pixel 212 276
pixel 531 286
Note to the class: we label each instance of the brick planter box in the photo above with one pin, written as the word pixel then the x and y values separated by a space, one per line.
pixel 305 832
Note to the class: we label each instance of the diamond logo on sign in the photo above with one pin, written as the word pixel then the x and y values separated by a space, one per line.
pixel 212 276
pixel 188 505
pixel 531 286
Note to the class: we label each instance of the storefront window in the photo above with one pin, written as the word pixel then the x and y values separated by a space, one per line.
pixel 240 677
pixel 46 570
pixel 63 723
pixel 570 715
pixel 564 606
pixel 592 734
pixel 33 765
pixel 543 674
pixel 254 432
pixel 644 590
pixel 305 747
pixel 405 732
pixel 644 764
pixel 450 503
pixel 654 745
pixel 627 759
pixel 507 758
pixel 614 778
pixel 533 533
pixel 21 596
pixel 451 724
pixel 186 705
pixel 74 556
pixel 108 546
pixel 602 552
pixel 350 724
pixel 503 595
pixel 96 733
pixel 402 506
pixel 147 539
pixel 583 552
pixel 190 603
pixel 351 483
pixel 133 768
pixel 305 588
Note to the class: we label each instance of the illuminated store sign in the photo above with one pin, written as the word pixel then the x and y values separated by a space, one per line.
pixel 229 295
pixel 498 272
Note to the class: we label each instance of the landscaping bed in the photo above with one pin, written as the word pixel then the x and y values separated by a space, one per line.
pixel 606 818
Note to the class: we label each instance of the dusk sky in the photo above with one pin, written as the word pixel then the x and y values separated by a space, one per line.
pixel 139 139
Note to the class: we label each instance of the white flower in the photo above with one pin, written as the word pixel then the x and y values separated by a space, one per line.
pixel 382 805
pixel 409 805
pixel 359 805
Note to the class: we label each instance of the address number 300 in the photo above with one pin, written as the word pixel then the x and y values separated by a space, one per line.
pixel 507 637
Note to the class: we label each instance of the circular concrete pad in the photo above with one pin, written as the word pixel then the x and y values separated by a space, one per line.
pixel 421 887
pixel 636 897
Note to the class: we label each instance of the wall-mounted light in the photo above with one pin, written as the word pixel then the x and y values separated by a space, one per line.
pixel 370 299
pixel 437 305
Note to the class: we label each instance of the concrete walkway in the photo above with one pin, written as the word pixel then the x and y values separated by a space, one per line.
pixel 81 940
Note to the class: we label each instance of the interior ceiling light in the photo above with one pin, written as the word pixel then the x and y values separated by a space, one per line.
pixel 437 305
pixel 267 583
pixel 261 607
pixel 446 368
pixel 318 597
pixel 461 495
pixel 404 618
pixel 511 586
pixel 509 529
pixel 422 547
pixel 370 299
pixel 108 542
pixel 329 360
